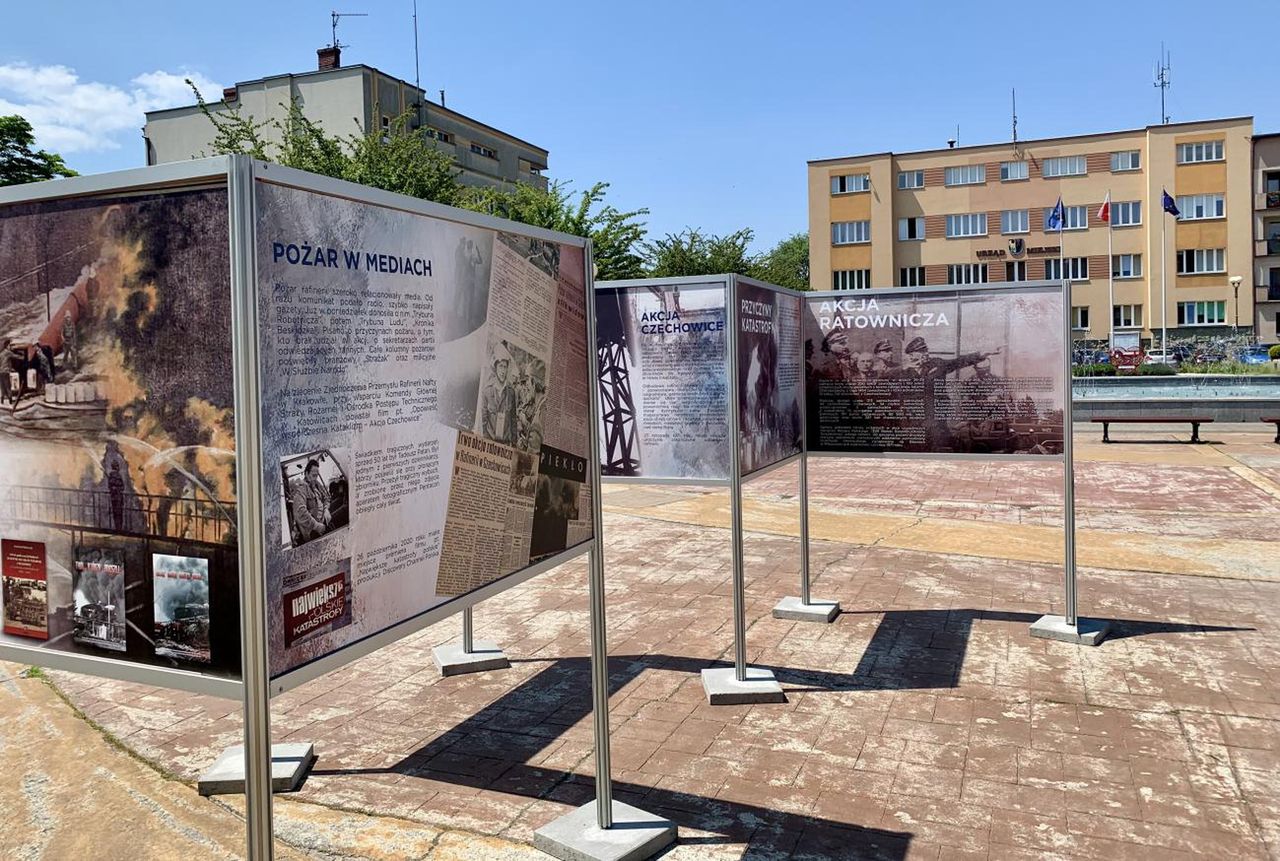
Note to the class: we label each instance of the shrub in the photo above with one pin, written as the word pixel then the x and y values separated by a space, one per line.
pixel 1099 369
pixel 1274 353
pixel 1158 369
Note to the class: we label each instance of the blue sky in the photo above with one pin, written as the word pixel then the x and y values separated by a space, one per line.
pixel 704 111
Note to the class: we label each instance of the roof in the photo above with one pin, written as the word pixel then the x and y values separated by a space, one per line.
pixel 1034 140
pixel 427 102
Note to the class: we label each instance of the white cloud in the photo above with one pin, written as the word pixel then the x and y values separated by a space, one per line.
pixel 70 115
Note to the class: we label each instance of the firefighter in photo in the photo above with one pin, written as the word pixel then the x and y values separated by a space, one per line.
pixel 498 400
pixel 70 348
pixel 311 503
pixel 882 358
pixel 919 364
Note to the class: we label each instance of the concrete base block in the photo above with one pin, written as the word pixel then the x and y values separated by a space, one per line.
pixel 452 661
pixel 817 610
pixel 724 689
pixel 290 765
pixel 1086 632
pixel 635 835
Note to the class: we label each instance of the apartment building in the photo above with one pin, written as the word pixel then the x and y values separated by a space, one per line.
pixel 352 99
pixel 1266 219
pixel 976 214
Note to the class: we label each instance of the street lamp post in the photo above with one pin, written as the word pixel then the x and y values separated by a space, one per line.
pixel 1235 280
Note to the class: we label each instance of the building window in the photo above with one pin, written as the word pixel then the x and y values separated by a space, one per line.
pixel 850 182
pixel 1015 270
pixel 967 273
pixel 851 279
pixel 911 179
pixel 1080 318
pixel 850 232
pixel 1126 266
pixel 966 174
pixel 1197 207
pixel 971 224
pixel 1202 313
pixel 1011 170
pixel 484 151
pixel 443 137
pixel 1191 153
pixel 1074 218
pixel 1069 165
pixel 1127 160
pixel 1126 213
pixel 1198 261
pixel 1126 316
pixel 911 276
pixel 1015 221
pixel 1076 268
pixel 911 228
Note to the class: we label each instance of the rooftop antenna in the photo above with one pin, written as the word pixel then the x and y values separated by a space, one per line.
pixel 416 81
pixel 335 17
pixel 1015 118
pixel 1163 81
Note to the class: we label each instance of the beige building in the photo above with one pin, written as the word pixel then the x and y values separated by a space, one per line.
pixel 1266 227
pixel 977 214
pixel 347 100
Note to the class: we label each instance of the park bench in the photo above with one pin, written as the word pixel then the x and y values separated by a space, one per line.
pixel 1274 420
pixel 1194 421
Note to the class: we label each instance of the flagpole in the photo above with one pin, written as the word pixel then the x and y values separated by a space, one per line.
pixel 1164 265
pixel 1111 280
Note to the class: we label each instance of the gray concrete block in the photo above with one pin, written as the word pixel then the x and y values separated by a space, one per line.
pixel 817 610
pixel 290 764
pixel 724 689
pixel 452 661
pixel 1086 632
pixel 576 836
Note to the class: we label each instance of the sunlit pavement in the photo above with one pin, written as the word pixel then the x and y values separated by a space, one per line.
pixel 923 723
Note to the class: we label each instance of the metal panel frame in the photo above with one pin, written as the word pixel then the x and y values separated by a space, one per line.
pixel 737 569
pixel 178 176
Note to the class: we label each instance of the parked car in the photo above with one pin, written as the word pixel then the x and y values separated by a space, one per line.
pixel 1255 355
pixel 1170 358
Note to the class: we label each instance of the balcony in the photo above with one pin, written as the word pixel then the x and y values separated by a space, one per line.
pixel 1267 247
pixel 1267 293
pixel 1267 200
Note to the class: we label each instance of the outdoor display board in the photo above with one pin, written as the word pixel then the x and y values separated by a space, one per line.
pixel 424 412
pixel 117 485
pixel 423 395
pixel 769 375
pixel 974 371
pixel 664 379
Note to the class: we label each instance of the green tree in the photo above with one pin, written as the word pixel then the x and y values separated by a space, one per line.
pixel 19 162
pixel 786 264
pixel 692 252
pixel 615 235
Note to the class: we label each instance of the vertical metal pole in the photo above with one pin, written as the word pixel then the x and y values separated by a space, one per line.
pixel 735 488
pixel 253 591
pixel 1164 264
pixel 1068 472
pixel 595 561
pixel 804 460
pixel 468 633
pixel 1111 280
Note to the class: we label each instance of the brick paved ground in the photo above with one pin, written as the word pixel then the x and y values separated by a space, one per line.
pixel 923 723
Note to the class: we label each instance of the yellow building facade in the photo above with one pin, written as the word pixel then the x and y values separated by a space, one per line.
pixel 977 214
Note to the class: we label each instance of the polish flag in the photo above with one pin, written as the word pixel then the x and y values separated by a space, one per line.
pixel 1104 211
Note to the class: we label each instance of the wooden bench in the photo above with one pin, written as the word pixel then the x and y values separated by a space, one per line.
pixel 1275 420
pixel 1194 421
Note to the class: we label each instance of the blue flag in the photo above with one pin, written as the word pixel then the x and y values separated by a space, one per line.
pixel 1055 218
pixel 1167 202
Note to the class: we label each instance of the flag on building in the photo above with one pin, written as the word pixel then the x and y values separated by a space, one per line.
pixel 1167 202
pixel 1104 211
pixel 1056 216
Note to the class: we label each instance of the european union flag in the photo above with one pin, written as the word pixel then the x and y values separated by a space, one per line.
pixel 1167 202
pixel 1055 218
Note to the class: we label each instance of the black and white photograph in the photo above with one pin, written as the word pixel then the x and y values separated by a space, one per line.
pixel 316 495
pixel 98 592
pixel 181 597
pixel 512 397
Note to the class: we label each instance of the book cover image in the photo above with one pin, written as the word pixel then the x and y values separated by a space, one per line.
pixel 98 591
pixel 180 585
pixel 26 589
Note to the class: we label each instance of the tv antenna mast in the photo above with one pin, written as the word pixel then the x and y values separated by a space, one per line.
pixel 1014 91
pixel 1162 82
pixel 337 16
